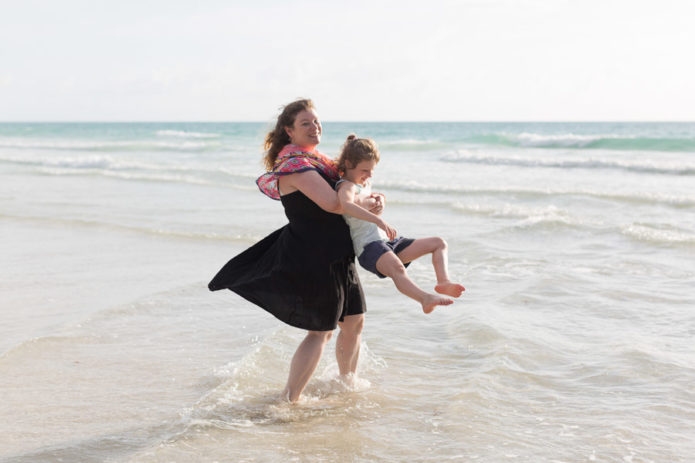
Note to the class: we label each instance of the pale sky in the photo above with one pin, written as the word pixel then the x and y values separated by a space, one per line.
pixel 426 60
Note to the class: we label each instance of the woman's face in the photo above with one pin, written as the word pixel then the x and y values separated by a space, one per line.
pixel 306 130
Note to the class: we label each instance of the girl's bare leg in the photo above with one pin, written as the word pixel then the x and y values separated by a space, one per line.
pixel 304 362
pixel 347 346
pixel 439 250
pixel 391 266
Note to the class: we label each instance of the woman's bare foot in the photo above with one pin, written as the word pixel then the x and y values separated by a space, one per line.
pixel 430 301
pixel 450 289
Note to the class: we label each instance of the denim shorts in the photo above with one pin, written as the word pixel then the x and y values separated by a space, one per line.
pixel 372 251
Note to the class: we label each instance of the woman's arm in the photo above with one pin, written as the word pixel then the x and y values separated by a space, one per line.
pixel 346 196
pixel 314 187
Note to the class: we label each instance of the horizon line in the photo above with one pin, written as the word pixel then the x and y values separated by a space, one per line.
pixel 393 121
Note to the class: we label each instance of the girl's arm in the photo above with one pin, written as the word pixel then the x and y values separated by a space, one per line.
pixel 346 197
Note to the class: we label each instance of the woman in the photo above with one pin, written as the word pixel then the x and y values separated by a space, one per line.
pixel 304 273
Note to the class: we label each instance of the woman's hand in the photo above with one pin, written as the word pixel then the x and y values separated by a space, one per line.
pixel 375 203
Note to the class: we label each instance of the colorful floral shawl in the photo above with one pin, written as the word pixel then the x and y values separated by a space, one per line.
pixel 291 160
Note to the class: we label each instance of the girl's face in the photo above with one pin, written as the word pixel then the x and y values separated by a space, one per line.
pixel 361 172
pixel 306 130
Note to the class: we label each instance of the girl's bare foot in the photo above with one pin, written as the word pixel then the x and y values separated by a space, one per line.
pixel 430 301
pixel 450 289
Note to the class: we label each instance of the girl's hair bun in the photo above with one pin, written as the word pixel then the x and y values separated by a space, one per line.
pixel 356 150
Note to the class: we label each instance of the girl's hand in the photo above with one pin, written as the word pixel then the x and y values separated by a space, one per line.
pixel 390 231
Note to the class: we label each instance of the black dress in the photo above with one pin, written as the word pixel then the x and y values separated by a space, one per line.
pixel 304 273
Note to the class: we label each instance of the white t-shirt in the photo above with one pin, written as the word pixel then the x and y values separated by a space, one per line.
pixel 361 231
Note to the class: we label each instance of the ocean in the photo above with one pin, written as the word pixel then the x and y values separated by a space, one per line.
pixel 572 343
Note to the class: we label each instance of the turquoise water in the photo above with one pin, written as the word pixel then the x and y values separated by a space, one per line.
pixel 573 341
pixel 674 136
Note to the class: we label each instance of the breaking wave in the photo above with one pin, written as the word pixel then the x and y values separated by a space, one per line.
pixel 651 166
pixel 578 141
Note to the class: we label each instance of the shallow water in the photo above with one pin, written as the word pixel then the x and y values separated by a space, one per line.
pixel 573 341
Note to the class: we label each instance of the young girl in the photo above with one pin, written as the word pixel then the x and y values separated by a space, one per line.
pixel 381 252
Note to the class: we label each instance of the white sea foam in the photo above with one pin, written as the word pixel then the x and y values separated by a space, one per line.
pixel 566 139
pixel 640 141
pixel 647 166
pixel 185 134
pixel 527 216
pixel 62 144
pixel 113 166
pixel 659 234
pixel 171 232
pixel 530 192
pixel 107 145
pixel 407 144
pixel 94 162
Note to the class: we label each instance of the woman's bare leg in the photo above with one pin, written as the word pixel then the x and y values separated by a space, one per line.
pixel 304 362
pixel 391 266
pixel 347 345
pixel 439 250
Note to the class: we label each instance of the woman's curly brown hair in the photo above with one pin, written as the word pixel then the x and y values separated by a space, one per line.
pixel 277 138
